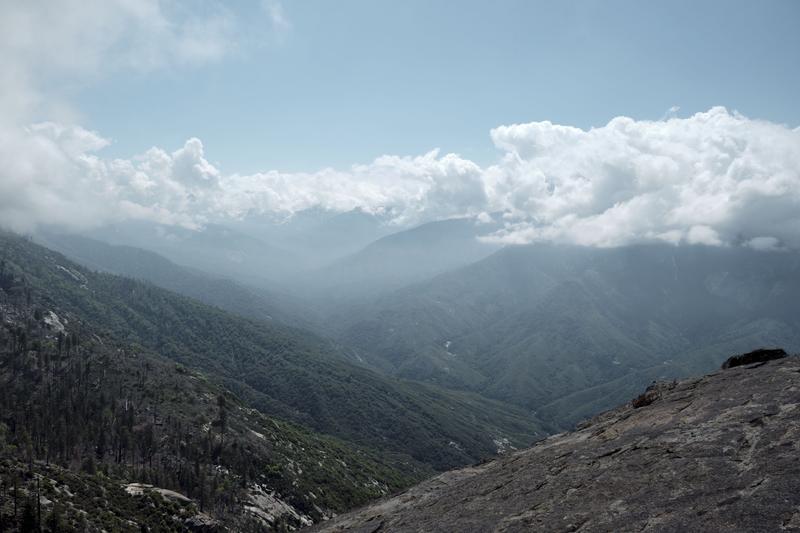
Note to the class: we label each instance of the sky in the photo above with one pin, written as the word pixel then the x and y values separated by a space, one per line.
pixel 601 123
pixel 348 81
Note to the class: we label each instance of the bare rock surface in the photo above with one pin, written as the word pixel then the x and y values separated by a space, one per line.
pixel 718 453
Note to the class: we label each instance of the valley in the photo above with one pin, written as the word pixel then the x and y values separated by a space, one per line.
pixel 273 266
pixel 339 396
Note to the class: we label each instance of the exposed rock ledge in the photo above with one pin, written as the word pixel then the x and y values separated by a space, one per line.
pixel 719 453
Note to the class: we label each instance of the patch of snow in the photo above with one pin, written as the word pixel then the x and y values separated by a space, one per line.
pixel 257 434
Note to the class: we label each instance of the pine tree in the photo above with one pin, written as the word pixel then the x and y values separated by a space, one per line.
pixel 55 520
pixel 28 524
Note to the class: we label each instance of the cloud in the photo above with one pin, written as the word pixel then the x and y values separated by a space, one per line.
pixel 764 243
pixel 51 43
pixel 715 177
pixel 408 189
pixel 52 176
pixel 50 172
pixel 672 112
pixel 277 16
pixel 47 177
pixel 58 178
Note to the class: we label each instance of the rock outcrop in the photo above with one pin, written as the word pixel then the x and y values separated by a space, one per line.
pixel 718 453
pixel 756 356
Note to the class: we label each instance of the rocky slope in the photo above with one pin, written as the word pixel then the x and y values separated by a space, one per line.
pixel 718 453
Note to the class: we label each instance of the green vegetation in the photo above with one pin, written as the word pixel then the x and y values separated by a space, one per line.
pixel 568 331
pixel 83 415
pixel 255 303
pixel 280 371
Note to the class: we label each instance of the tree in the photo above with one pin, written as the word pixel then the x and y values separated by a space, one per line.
pixel 3 438
pixel 101 444
pixel 28 523
pixel 55 520
pixel 222 420
pixel 147 444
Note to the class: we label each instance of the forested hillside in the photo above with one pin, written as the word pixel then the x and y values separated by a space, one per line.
pixel 404 257
pixel 280 371
pixel 218 249
pixel 137 263
pixel 102 434
pixel 568 331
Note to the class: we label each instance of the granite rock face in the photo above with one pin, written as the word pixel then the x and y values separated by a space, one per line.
pixel 718 453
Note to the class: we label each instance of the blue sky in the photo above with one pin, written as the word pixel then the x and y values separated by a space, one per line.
pixel 347 81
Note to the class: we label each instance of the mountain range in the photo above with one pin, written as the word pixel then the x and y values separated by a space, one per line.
pixel 396 354
pixel 567 331
pixel 560 331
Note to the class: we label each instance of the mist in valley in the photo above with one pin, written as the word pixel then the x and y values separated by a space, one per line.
pixel 266 264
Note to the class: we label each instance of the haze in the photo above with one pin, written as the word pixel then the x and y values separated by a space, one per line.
pixel 419 234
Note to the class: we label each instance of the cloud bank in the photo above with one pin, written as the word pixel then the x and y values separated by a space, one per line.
pixel 715 178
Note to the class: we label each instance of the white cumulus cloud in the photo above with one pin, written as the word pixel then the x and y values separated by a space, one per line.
pixel 715 178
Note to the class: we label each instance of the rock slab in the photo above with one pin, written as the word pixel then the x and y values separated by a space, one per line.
pixel 718 453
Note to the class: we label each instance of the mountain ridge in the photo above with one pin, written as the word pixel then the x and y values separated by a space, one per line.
pixel 281 371
pixel 532 325
pixel 100 432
